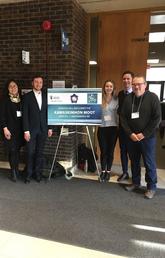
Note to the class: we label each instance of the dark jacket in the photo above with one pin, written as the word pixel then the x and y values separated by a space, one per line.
pixel 11 119
pixel 34 119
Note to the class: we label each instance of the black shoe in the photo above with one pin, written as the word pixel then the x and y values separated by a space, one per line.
pixel 107 176
pixel 102 177
pixel 132 187
pixel 13 176
pixel 27 180
pixel 13 179
pixel 38 179
pixel 123 177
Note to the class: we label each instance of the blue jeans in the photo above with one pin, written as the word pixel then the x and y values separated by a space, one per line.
pixel 145 149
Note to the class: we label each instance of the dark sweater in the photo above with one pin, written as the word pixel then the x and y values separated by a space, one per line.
pixel 149 114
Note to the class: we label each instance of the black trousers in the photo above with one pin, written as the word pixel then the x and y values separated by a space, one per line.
pixel 13 154
pixel 13 147
pixel 107 137
pixel 35 149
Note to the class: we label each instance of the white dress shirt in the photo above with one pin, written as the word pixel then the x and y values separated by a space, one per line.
pixel 38 95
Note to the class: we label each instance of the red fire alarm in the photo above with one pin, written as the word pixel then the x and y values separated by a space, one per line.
pixel 46 25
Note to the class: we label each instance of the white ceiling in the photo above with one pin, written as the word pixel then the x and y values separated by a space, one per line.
pixel 92 6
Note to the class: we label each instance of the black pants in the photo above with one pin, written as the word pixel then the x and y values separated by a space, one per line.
pixel 123 142
pixel 107 137
pixel 13 154
pixel 35 149
pixel 13 147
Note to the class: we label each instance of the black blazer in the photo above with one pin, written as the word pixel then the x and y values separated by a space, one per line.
pixel 121 98
pixel 34 119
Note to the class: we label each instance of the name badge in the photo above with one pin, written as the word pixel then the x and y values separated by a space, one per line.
pixel 135 115
pixel 19 113
pixel 107 118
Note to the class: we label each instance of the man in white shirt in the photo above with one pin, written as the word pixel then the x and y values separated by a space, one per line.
pixel 35 128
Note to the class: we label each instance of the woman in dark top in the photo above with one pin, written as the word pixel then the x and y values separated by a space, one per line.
pixel 11 122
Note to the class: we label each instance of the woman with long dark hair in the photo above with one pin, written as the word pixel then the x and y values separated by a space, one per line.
pixel 11 123
pixel 108 131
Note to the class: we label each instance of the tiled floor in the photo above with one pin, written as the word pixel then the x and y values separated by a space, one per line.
pixel 21 246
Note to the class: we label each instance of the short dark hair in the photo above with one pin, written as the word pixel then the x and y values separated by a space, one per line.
pixel 128 72
pixel 37 76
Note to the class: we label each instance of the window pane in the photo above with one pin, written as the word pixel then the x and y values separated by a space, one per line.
pixel 156 74
pixel 164 93
pixel 156 88
pixel 158 19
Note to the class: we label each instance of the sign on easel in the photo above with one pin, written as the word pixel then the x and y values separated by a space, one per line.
pixel 74 106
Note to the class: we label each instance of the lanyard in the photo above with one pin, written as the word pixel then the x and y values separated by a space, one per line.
pixel 141 97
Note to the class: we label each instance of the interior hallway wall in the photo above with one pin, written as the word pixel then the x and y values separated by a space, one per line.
pixel 123 45
pixel 20 29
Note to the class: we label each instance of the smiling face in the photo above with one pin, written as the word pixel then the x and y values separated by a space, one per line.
pixel 37 83
pixel 108 87
pixel 127 81
pixel 13 88
pixel 139 86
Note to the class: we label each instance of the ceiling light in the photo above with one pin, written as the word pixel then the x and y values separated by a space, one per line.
pixel 152 61
pixel 156 37
pixel 92 62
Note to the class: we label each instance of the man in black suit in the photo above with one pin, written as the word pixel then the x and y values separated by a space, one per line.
pixel 127 78
pixel 35 127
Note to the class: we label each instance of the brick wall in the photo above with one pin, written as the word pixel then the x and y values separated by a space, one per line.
pixel 20 29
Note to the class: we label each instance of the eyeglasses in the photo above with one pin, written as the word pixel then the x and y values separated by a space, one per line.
pixel 138 84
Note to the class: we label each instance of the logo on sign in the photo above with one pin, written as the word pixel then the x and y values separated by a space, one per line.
pixel 74 98
pixel 92 98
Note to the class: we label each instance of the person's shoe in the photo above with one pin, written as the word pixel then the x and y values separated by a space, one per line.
pixel 38 179
pixel 123 177
pixel 102 177
pixel 107 176
pixel 13 176
pixel 149 194
pixel 132 187
pixel 27 180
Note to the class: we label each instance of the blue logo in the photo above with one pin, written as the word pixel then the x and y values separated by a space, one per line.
pixel 92 98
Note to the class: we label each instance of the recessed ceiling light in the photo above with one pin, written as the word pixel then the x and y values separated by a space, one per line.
pixel 92 62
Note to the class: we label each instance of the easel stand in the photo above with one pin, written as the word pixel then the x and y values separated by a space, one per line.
pixel 58 144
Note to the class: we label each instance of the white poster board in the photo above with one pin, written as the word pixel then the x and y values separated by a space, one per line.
pixel 75 106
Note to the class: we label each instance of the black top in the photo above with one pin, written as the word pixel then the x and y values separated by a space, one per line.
pixel 149 114
pixel 121 97
pixel 11 117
